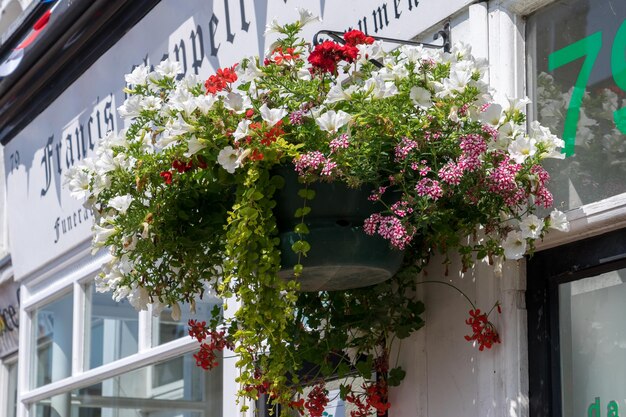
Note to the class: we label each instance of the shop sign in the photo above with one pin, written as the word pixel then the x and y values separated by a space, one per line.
pixel 9 318
pixel 45 221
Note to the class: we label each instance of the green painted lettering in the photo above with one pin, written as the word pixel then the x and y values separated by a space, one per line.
pixel 589 48
pixel 594 408
pixel 611 409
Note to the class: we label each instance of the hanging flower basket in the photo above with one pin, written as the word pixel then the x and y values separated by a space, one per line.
pixel 389 164
pixel 342 255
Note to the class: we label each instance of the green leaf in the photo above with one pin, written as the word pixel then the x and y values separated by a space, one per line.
pixel 303 211
pixel 257 195
pixel 364 368
pixel 343 369
pixel 396 375
pixel 302 229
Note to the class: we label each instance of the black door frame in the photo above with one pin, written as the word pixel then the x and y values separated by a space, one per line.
pixel 546 270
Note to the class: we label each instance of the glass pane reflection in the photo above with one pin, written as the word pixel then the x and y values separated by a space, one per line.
pixel 187 391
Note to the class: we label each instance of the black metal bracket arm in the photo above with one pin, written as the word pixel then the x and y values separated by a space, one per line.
pixel 444 34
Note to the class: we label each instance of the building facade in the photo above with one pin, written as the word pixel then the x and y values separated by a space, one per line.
pixel 79 353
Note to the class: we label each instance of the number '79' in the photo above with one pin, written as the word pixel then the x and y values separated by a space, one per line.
pixel 589 48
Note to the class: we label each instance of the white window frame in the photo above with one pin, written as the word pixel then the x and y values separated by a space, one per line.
pixel 51 286
pixel 4 381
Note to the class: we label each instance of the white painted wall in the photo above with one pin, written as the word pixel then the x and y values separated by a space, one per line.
pixel 446 375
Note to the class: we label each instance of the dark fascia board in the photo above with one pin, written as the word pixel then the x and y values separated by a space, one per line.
pixel 24 22
pixel 71 44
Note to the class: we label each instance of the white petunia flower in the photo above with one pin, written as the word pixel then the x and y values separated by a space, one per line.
pixel 272 116
pixel 337 93
pixel 205 102
pixel 194 145
pixel 421 97
pixel 521 148
pixel 306 17
pixel 231 159
pixel 331 121
pixel 250 73
pixel 100 236
pixel 138 76
pixel 243 129
pixel 121 203
pixel 531 227
pixel 273 27
pixel 372 51
pixel 491 115
pixel 139 298
pixel 551 143
pixel 238 103
pixel 150 103
pixel 77 180
pixel 518 104
pixel 169 68
pixel 514 245
pixel 558 221
pixel 131 107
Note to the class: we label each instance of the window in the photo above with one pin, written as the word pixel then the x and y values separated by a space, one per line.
pixel 53 336
pixel 192 392
pixel 576 328
pixel 10 386
pixel 577 75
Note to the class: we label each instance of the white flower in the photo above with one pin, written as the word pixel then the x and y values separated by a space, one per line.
pixel 138 76
pixel 379 88
pixel 372 51
pixel 77 179
pixel 131 107
pixel 492 114
pixel 243 129
pixel 100 236
pixel 204 102
pixel 306 17
pixel 176 313
pixel 551 143
pixel 331 121
pixel 177 127
pixel 194 145
pixel 457 82
pixel 231 159
pixel 121 203
pixel 518 104
pixel 169 68
pixel 238 103
pixel 150 103
pixel 514 245
pixel 139 298
pixel 531 227
pixel 273 27
pixel 337 93
pixel 521 148
pixel 421 97
pixel 251 73
pixel 558 221
pixel 272 116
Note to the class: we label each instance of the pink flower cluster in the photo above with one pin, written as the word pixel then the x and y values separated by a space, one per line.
pixel 427 187
pixel 401 209
pixel 390 228
pixel 312 162
pixel 473 147
pixel 451 173
pixel 502 182
pixel 403 148
pixel 340 142
pixel 543 195
pixel 377 194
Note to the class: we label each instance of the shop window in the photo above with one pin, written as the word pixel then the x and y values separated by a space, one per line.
pixel 52 325
pixel 10 390
pixel 577 75
pixel 576 328
pixel 192 393
pixel 111 329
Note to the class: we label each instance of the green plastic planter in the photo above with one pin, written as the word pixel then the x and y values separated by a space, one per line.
pixel 342 256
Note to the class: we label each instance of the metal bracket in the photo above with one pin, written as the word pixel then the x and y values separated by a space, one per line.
pixel 443 33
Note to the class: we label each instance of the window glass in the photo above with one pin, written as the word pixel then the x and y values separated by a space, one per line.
pixel 188 391
pixel 53 333
pixel 111 329
pixel 11 391
pixel 577 68
pixel 165 328
pixel 593 345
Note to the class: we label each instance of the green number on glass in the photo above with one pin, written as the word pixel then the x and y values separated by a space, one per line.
pixel 589 48
pixel 618 68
